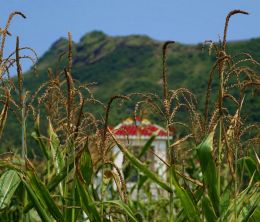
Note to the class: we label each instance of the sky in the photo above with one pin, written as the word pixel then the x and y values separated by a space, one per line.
pixel 185 21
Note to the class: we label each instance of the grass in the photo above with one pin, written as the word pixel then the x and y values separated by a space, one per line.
pixel 212 169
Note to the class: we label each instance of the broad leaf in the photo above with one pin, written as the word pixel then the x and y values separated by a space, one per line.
pixel 209 171
pixel 9 182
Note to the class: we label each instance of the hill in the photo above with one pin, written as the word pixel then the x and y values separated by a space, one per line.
pixel 121 65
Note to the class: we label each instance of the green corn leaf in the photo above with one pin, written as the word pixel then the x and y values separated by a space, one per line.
pixel 244 200
pixel 38 138
pixel 207 209
pixel 208 167
pixel 142 167
pixel 124 207
pixel 39 207
pixel 9 182
pixel 55 149
pixel 85 165
pixel 255 217
pixel 87 202
pixel 247 166
pixel 225 198
pixel 196 196
pixel 141 181
pixel 249 205
pixel 70 213
pixel 188 206
pixel 56 153
pixel 55 181
pixel 44 196
pixel 4 113
pixel 128 170
pixel 146 146
pixel 250 214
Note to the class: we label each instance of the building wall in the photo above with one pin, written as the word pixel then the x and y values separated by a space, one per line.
pixel 160 149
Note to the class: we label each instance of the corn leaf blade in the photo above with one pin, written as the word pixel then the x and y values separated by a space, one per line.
pixel 9 182
pixel 36 203
pixel 208 167
pixel 87 202
pixel 44 196
pixel 188 206
pixel 36 135
pixel 85 167
pixel 147 146
pixel 207 209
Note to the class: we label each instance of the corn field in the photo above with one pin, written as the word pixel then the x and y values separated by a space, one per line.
pixel 216 177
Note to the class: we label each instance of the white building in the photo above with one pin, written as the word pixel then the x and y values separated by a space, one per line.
pixel 134 135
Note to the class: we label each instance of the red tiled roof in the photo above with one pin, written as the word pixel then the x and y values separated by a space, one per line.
pixel 141 128
pixel 134 130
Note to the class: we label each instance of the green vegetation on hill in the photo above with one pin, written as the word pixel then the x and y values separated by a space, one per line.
pixel 122 65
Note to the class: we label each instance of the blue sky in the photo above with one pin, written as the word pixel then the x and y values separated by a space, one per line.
pixel 186 21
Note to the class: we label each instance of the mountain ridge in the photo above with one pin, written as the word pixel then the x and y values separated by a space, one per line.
pixel 123 65
pixel 127 62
